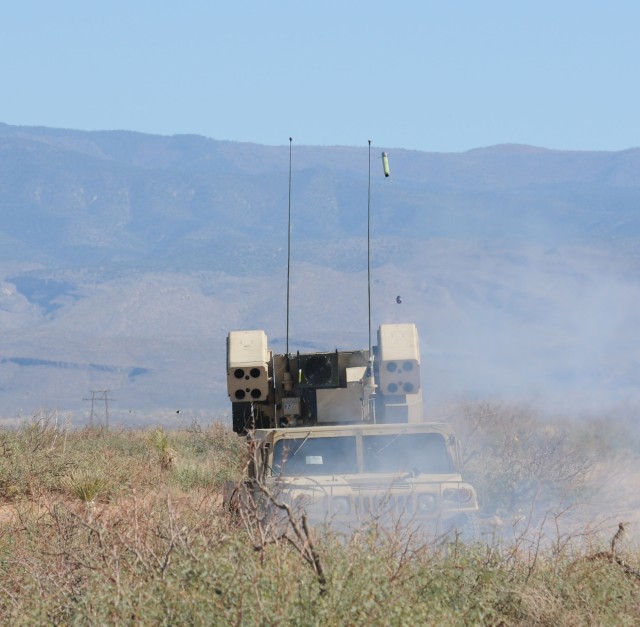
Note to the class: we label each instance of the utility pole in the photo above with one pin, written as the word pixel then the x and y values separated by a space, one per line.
pixel 98 396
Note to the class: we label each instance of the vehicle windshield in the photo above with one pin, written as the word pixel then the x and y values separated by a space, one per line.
pixel 315 456
pixel 408 452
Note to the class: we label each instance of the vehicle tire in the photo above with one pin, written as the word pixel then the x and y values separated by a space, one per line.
pixel 232 500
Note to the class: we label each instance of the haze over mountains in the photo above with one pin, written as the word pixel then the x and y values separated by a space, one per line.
pixel 126 258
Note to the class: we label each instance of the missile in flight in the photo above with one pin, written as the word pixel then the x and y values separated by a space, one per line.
pixel 385 164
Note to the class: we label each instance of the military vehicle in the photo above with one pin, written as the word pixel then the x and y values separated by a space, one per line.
pixel 340 436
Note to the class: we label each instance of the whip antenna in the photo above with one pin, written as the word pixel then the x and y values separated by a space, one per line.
pixel 289 253
pixel 369 250
pixel 367 382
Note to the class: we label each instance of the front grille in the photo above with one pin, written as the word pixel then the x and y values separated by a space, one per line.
pixel 369 485
pixel 374 505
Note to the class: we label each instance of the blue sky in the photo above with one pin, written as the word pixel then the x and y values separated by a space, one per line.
pixel 434 76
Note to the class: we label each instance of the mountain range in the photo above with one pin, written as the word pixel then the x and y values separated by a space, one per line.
pixel 125 259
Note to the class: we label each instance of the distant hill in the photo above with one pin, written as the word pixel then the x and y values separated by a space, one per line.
pixel 125 258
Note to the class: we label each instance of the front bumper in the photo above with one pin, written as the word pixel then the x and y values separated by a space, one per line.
pixel 349 504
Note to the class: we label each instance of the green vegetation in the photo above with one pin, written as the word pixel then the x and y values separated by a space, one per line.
pixel 97 527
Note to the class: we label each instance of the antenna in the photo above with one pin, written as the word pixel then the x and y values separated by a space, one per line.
pixel 385 165
pixel 369 251
pixel 367 382
pixel 289 253
pixel 287 383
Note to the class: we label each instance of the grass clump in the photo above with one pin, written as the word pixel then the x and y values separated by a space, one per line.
pixel 86 486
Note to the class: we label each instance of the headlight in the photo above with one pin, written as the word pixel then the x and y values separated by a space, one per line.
pixel 457 495
pixel 340 505
pixel 426 503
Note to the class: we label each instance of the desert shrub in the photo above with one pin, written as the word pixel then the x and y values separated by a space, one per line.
pixel 518 461
pixel 160 549
pixel 155 561
pixel 194 476
pixel 208 456
pixel 44 455
pixel 33 457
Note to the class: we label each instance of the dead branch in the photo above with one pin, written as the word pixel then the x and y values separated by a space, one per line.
pixel 610 556
pixel 271 529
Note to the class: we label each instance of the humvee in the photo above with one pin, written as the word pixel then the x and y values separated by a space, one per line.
pixel 340 436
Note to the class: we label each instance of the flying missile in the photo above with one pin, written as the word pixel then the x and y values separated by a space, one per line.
pixel 385 164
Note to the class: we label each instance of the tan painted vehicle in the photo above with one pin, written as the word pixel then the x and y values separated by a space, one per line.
pixel 349 476
pixel 340 436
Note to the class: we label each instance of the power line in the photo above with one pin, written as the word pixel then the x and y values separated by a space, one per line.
pixel 99 396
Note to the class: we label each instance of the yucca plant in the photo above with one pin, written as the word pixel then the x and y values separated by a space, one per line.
pixel 86 486
pixel 160 442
